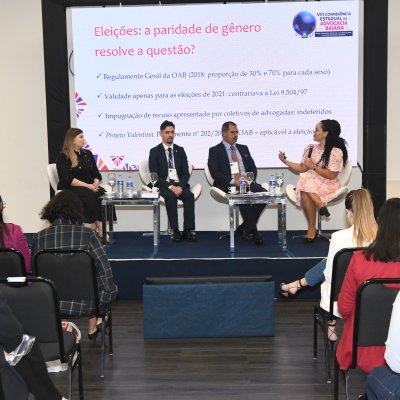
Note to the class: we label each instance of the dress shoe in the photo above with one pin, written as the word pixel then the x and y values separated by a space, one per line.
pixel 240 229
pixel 176 235
pixel 93 336
pixel 324 211
pixel 257 238
pixel 310 240
pixel 247 236
pixel 189 235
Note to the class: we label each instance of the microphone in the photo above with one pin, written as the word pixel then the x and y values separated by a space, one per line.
pixel 310 151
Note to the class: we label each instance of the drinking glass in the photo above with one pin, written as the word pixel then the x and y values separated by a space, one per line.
pixel 112 181
pixel 250 179
pixel 279 182
pixel 153 179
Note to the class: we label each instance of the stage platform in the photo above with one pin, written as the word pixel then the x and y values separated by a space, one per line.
pixel 133 259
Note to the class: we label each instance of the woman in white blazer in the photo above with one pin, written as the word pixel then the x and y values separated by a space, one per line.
pixel 360 214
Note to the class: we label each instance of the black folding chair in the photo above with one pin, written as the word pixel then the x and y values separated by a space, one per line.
pixel 374 304
pixel 34 302
pixel 321 317
pixel 74 275
pixel 12 263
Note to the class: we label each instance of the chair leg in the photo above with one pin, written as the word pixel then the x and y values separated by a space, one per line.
pixel 315 333
pixel 347 381
pixel 69 377
pixel 110 338
pixel 80 376
pixel 336 381
pixel 327 349
pixel 321 234
pixel 102 355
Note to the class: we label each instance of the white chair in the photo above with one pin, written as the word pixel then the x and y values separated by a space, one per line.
pixel 144 174
pixel 53 177
pixel 344 178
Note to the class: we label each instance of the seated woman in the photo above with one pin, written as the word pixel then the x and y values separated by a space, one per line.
pixel 380 260
pixel 383 383
pixel 31 367
pixel 319 169
pixel 11 237
pixel 78 172
pixel 65 214
pixel 362 232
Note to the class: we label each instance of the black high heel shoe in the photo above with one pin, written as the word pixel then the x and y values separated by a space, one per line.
pixel 292 291
pixel 93 336
pixel 310 240
pixel 324 211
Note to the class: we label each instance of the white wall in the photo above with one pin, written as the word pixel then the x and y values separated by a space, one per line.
pixel 393 129
pixel 24 142
pixel 23 134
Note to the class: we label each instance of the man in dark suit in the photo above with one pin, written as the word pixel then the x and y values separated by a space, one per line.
pixel 170 162
pixel 227 162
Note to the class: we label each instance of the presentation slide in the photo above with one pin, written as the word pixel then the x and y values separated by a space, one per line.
pixel 275 69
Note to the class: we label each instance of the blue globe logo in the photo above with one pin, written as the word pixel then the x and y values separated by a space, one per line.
pixel 304 23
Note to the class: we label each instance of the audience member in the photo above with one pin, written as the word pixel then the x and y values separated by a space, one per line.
pixel 228 162
pixel 380 260
pixel 65 214
pixel 383 383
pixel 318 170
pixel 360 214
pixel 170 162
pixel 31 367
pixel 11 237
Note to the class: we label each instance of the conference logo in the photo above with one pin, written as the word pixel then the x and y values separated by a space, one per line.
pixel 324 24
pixel 304 24
pixel 80 105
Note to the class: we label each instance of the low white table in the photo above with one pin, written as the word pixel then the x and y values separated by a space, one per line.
pixel 258 198
pixel 137 199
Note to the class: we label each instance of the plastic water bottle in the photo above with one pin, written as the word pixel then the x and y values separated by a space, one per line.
pixel 243 184
pixel 129 186
pixel 120 185
pixel 272 184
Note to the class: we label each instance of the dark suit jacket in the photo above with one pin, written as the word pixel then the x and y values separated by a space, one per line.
pixel 10 328
pixel 220 170
pixel 158 163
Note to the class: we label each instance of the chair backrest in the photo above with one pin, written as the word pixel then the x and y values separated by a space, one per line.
pixel 341 261
pixel 344 176
pixel 35 304
pixel 374 301
pixel 53 176
pixel 144 172
pixel 72 271
pixel 12 263
pixel 209 178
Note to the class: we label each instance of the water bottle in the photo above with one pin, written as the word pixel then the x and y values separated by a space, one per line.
pixel 120 185
pixel 129 186
pixel 272 184
pixel 242 186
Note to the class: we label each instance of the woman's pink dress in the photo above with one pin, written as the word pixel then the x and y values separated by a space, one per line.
pixel 310 181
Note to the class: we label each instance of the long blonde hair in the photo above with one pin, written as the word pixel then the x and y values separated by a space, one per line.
pixel 365 227
pixel 68 146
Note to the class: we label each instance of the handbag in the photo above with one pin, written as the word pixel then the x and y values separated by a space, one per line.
pixel 12 386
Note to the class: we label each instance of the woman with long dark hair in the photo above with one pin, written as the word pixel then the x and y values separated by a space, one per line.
pixel 12 237
pixel 319 168
pixel 380 260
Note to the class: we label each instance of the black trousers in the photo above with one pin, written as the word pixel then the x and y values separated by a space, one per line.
pixel 171 204
pixel 251 212
pixel 91 203
pixel 33 371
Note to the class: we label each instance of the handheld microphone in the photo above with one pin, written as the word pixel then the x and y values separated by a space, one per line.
pixel 310 151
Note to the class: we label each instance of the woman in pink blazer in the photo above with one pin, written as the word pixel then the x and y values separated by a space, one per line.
pixel 11 237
